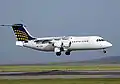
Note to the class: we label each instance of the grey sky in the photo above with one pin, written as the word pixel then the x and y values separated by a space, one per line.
pixel 58 18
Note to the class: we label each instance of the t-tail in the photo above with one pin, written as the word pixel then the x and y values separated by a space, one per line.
pixel 21 33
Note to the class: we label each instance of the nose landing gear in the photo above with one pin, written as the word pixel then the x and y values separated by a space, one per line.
pixel 104 51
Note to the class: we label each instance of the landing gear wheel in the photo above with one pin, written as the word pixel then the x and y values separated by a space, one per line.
pixel 58 53
pixel 67 52
pixel 104 51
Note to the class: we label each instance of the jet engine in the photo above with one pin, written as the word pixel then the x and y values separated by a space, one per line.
pixel 66 44
pixel 62 45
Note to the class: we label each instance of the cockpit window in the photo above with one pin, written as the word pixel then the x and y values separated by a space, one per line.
pixel 100 40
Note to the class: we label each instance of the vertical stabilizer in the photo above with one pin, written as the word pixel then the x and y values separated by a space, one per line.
pixel 21 33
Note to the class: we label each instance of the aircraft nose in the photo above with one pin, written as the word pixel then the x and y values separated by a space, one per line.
pixel 109 44
pixel 106 44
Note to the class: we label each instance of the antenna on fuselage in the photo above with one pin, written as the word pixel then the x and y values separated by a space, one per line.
pixel 22 22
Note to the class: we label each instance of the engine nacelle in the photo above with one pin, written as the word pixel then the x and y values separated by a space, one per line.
pixel 66 44
pixel 57 44
pixel 62 45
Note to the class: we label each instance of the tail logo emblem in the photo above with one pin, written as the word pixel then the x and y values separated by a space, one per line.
pixel 21 36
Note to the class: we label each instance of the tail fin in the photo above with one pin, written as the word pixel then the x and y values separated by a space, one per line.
pixel 21 32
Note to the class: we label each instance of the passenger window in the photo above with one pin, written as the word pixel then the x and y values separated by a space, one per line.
pixel 26 41
pixel 57 39
pixel 38 41
pixel 46 41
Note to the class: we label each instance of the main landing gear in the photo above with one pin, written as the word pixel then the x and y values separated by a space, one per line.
pixel 58 53
pixel 66 53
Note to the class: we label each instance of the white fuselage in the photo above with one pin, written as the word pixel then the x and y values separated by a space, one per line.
pixel 71 43
pixel 58 44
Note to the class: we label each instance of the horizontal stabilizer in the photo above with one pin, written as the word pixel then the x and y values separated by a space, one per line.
pixel 19 43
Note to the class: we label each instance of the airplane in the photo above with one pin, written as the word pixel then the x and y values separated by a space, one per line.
pixel 58 44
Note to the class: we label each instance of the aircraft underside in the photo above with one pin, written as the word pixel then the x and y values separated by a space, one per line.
pixel 59 50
